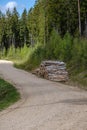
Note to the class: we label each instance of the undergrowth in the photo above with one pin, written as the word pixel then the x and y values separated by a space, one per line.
pixel 71 50
pixel 17 55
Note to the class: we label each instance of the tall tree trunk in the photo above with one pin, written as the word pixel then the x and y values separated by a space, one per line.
pixel 79 16
pixel 86 26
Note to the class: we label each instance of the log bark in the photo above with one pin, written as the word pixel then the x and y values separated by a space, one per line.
pixel 53 70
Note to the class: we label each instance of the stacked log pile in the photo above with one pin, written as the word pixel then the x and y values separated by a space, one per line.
pixel 53 70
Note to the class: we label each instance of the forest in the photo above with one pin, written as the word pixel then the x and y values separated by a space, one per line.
pixel 49 30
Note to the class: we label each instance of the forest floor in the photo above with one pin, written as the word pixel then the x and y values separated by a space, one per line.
pixel 44 105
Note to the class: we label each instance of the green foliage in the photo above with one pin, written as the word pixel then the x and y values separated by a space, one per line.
pixel 8 94
pixel 80 79
pixel 38 24
pixel 33 58
pixel 54 45
pixel 52 24
pixel 17 55
pixel 60 48
pixel 79 53
pixel 69 49
pixel 66 49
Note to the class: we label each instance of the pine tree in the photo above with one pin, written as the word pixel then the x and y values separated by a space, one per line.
pixel 15 28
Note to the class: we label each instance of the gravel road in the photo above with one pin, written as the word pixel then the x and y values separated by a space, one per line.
pixel 44 105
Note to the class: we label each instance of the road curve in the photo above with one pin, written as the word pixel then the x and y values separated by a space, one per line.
pixel 44 105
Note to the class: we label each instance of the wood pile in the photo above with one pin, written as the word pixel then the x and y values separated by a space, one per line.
pixel 53 70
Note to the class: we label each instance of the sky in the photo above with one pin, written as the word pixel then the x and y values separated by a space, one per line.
pixel 19 4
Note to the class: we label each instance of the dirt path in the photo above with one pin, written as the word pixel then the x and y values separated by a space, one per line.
pixel 44 105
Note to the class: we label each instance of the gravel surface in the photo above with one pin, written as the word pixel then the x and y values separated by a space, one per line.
pixel 44 105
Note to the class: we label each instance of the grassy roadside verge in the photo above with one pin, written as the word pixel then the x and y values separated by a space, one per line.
pixel 79 80
pixel 8 94
pixel 71 50
pixel 75 66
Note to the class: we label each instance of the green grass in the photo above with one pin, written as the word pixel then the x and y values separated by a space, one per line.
pixel 76 59
pixel 33 58
pixel 80 79
pixel 17 55
pixel 71 50
pixel 8 94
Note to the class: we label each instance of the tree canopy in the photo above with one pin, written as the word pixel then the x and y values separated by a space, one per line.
pixel 38 23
